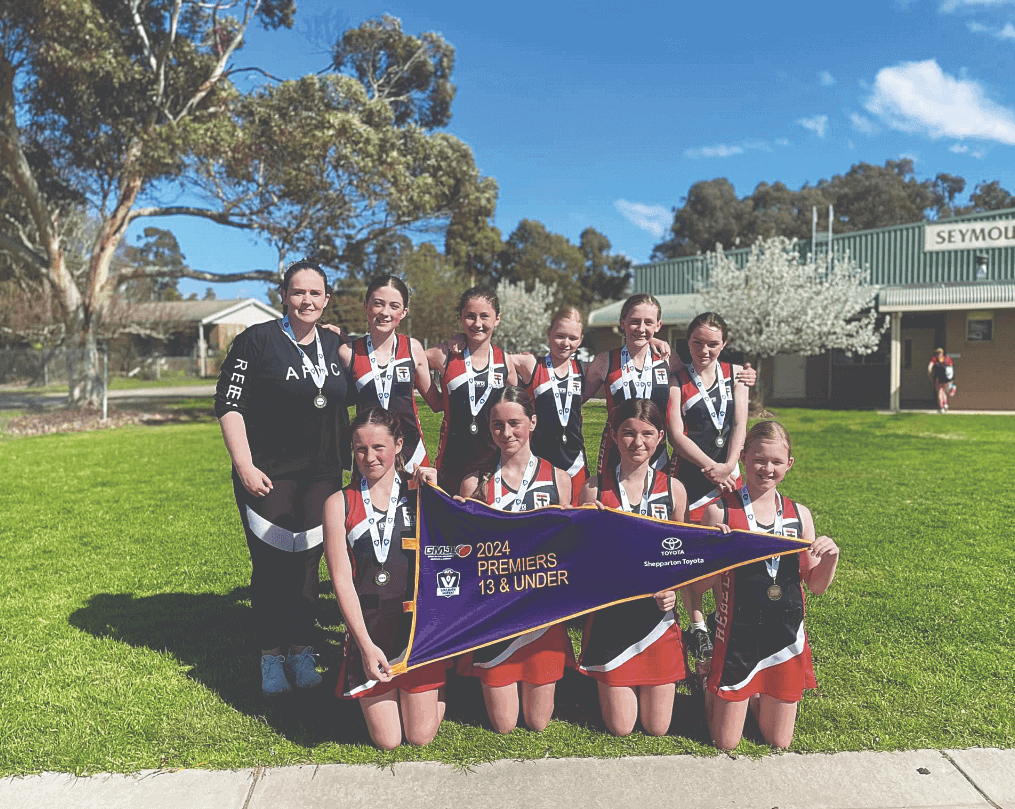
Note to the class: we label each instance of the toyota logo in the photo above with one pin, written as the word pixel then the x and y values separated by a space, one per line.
pixel 672 543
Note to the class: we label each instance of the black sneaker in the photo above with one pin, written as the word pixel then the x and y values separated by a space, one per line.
pixel 699 644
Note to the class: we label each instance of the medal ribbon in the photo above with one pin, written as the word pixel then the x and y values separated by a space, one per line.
pixel 563 409
pixel 382 544
pixel 718 419
pixel 624 502
pixel 752 522
pixel 473 406
pixel 498 486
pixel 319 373
pixel 642 380
pixel 382 383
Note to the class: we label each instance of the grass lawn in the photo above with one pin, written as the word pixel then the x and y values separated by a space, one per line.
pixel 127 645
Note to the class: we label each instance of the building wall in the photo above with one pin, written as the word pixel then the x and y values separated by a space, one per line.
pixel 982 372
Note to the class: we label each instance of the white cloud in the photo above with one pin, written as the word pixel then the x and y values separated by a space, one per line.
pixel 978 153
pixel 1008 32
pixel 826 79
pixel 949 6
pixel 653 218
pixel 958 148
pixel 861 123
pixel 909 156
pixel 720 150
pixel 920 97
pixel 733 149
pixel 817 124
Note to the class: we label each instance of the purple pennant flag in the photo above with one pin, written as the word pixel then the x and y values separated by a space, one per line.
pixel 484 575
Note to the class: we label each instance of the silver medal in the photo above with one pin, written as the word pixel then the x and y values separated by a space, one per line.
pixel 720 441
pixel 320 401
pixel 382 577
pixel 473 428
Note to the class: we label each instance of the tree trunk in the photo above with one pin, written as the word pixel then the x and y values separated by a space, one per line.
pixel 84 372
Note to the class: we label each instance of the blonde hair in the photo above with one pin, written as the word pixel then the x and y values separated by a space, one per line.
pixel 768 431
pixel 567 313
pixel 637 300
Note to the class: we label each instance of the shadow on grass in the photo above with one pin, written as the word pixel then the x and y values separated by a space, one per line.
pixel 212 634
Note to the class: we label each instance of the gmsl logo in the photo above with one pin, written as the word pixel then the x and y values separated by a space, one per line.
pixel 439 552
pixel 448 582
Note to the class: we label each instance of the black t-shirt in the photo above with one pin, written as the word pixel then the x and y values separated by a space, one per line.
pixel 264 380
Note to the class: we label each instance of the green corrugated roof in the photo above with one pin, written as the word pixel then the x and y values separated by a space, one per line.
pixel 944 297
pixel 895 256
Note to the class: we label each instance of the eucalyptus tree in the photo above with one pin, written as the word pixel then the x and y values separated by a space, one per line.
pixel 112 106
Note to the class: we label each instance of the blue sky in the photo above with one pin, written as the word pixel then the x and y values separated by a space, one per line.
pixel 603 114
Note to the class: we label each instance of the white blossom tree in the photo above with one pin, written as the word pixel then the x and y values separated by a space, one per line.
pixel 780 302
pixel 524 316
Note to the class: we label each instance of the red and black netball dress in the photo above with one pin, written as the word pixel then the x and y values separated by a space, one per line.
pixel 465 435
pixel 634 643
pixel 700 427
pixel 558 434
pixel 392 387
pixel 651 382
pixel 538 657
pixel 760 643
pixel 383 588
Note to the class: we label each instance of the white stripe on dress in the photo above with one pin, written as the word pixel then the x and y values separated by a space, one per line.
pixel 636 649
pixel 787 653
pixel 278 537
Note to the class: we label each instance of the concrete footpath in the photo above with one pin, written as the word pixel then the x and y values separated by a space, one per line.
pixel 920 778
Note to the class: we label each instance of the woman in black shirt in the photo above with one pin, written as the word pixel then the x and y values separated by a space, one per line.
pixel 280 399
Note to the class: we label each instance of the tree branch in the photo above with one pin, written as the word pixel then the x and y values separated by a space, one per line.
pixel 32 258
pixel 219 217
pixel 271 276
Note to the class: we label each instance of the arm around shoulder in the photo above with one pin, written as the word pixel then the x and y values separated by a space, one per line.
pixel 563 481
pixel 595 375
pixel 422 380
pixel 524 366
pixel 679 496
pixel 589 493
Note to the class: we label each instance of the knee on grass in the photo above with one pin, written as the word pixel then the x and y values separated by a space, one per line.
pixel 387 740
pixel 420 737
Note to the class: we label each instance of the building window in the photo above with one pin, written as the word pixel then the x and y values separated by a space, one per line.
pixel 979 327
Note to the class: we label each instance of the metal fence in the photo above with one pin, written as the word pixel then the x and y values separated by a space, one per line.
pixel 35 367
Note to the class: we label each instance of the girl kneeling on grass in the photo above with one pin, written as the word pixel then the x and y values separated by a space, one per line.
pixel 512 478
pixel 635 649
pixel 762 659
pixel 363 529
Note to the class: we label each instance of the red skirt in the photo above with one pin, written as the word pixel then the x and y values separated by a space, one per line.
pixel 537 662
pixel 415 681
pixel 785 680
pixel 662 662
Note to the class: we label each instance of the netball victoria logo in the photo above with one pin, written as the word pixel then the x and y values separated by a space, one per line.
pixel 448 582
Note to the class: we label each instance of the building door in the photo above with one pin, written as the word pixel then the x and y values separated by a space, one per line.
pixel 917 348
pixel 789 376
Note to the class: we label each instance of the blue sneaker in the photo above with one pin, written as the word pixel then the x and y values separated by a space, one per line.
pixel 273 679
pixel 302 668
